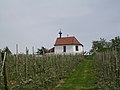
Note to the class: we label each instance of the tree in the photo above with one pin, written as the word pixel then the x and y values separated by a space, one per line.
pixel 7 50
pixel 115 43
pixel 41 51
pixel 100 46
pixel 103 45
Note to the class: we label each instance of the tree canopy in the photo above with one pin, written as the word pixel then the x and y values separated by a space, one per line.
pixel 7 50
pixel 41 51
pixel 103 45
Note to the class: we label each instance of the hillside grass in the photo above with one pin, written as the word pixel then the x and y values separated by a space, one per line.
pixel 82 79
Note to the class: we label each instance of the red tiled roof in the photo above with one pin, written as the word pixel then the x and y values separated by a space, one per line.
pixel 67 41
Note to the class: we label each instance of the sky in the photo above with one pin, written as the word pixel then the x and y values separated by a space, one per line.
pixel 37 23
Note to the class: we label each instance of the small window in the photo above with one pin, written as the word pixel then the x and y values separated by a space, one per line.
pixel 64 48
pixel 76 48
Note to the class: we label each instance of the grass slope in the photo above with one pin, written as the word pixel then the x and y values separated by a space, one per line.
pixel 82 79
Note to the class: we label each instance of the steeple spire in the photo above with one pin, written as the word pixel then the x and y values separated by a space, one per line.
pixel 60 33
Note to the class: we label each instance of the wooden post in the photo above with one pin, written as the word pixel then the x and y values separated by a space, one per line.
pixel 34 62
pixel 4 73
pixel 26 64
pixel 33 51
pixel 16 61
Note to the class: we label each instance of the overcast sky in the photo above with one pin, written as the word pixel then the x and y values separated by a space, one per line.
pixel 37 22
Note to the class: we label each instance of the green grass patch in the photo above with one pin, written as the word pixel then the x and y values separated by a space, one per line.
pixel 82 79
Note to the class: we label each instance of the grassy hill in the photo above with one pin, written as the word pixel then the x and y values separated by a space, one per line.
pixel 82 79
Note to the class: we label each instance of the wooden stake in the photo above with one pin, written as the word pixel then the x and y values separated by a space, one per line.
pixel 26 60
pixel 4 73
pixel 3 59
pixel 16 62
pixel 33 51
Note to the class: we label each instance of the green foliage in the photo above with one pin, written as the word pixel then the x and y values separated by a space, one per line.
pixel 107 67
pixel 7 50
pixel 107 63
pixel 102 45
pixel 116 43
pixel 38 73
pixel 41 51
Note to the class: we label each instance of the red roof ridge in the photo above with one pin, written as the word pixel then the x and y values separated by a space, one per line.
pixel 71 40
